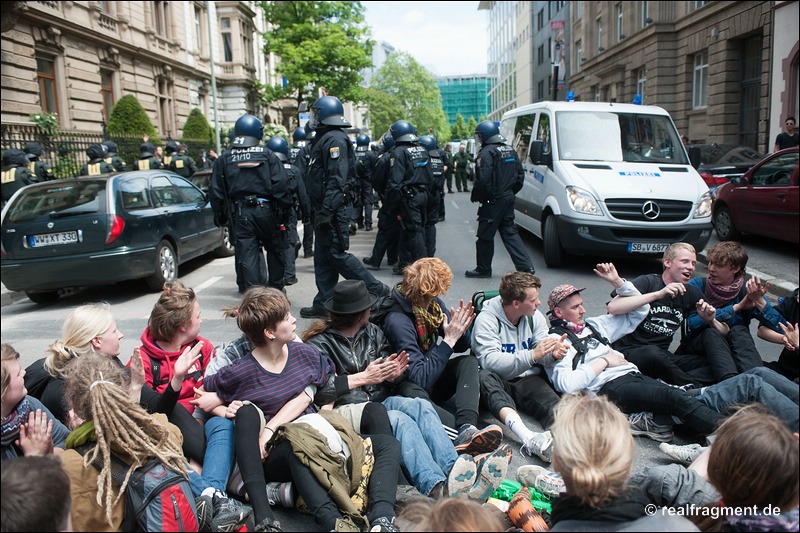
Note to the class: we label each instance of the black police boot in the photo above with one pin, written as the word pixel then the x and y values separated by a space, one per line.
pixel 478 273
pixel 290 281
pixel 308 253
pixel 372 265
pixel 529 271
pixel 397 270
pixel 368 228
pixel 313 312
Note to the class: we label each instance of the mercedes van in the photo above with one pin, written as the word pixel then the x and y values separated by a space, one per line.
pixel 606 180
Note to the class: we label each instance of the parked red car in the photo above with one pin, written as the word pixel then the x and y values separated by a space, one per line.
pixel 764 201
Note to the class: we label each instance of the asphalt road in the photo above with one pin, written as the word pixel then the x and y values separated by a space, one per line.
pixel 30 328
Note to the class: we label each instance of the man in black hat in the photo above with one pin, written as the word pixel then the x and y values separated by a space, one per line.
pixel 96 164
pixel 147 160
pixel 112 156
pixel 41 171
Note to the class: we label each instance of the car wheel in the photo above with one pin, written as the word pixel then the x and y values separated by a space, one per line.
pixel 723 223
pixel 166 266
pixel 553 253
pixel 226 248
pixel 42 297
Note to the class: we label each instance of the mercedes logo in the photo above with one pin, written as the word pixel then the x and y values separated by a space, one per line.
pixel 650 210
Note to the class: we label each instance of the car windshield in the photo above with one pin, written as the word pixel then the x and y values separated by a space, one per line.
pixel 616 137
pixel 58 199
pixel 728 154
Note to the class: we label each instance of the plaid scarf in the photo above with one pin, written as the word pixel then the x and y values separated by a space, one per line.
pixel 720 295
pixel 428 322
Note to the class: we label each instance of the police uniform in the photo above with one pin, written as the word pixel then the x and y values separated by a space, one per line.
pixel 301 158
pixel 301 208
pixel 40 170
pixel 16 173
pixel 461 162
pixel 498 178
pixel 388 230
pixel 434 200
pixel 331 170
pixel 365 164
pixel 96 164
pixel 407 184
pixel 147 161
pixel 112 158
pixel 253 182
pixel 182 164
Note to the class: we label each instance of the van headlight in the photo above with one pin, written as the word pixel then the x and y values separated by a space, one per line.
pixel 703 206
pixel 582 201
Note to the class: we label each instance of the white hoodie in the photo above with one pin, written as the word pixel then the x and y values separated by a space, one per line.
pixel 612 327
pixel 502 347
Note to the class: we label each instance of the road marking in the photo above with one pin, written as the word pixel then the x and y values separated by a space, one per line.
pixel 209 282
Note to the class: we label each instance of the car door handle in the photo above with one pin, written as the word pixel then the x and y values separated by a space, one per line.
pixel 781 195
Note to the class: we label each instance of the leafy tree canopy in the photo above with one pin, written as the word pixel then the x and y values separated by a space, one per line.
pixel 460 128
pixel 128 117
pixel 384 110
pixel 322 44
pixel 414 87
pixel 197 127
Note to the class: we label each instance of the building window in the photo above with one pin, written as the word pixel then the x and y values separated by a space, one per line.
pixel 641 83
pixel 540 19
pixel 107 92
pixel 247 43
pixel 696 5
pixel 198 28
pixel 578 55
pixel 600 35
pixel 540 90
pixel 578 10
pixel 540 55
pixel 161 18
pixel 165 105
pixel 48 91
pixel 596 93
pixel 227 42
pixel 645 12
pixel 620 30
pixel 105 7
pixel 700 81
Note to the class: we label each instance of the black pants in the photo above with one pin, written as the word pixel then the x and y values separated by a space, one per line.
pixel 532 394
pixel 725 355
pixel 499 216
pixel 636 392
pixel 282 465
pixel 657 362
pixel 289 255
pixel 431 219
pixel 412 228
pixel 258 226
pixel 387 238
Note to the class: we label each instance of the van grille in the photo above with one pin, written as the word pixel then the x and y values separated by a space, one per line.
pixel 658 210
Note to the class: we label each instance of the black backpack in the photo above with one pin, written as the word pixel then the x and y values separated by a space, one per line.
pixel 578 343
pixel 381 309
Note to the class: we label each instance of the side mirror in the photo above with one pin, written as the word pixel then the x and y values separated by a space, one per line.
pixel 537 154
pixel 694 156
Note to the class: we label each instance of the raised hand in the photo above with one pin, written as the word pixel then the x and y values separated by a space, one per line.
pixel 790 336
pixel 460 320
pixel 673 289
pixel 397 363
pixel 706 311
pixel 188 358
pixel 36 436
pixel 608 272
pixel 137 375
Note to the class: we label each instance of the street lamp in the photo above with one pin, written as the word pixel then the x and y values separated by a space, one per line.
pixel 556 62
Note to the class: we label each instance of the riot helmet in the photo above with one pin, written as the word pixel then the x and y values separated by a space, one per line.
pixel 14 157
pixel 111 147
pixel 403 132
pixel 247 131
pixel 280 147
pixel 299 135
pixel 171 147
pixel 95 151
pixel 145 150
pixel 362 139
pixel 428 141
pixel 487 132
pixel 388 141
pixel 33 150
pixel 328 111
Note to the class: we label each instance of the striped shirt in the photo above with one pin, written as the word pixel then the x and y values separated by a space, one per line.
pixel 246 379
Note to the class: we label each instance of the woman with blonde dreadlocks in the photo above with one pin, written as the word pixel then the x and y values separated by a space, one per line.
pixel 97 390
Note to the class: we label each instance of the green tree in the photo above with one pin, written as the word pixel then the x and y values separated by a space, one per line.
pixel 271 130
pixel 321 44
pixel 402 77
pixel 383 110
pixel 471 125
pixel 460 128
pixel 128 117
pixel 197 127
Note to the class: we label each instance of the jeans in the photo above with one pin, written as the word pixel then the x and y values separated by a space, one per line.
pixel 756 385
pixel 219 456
pixel 414 422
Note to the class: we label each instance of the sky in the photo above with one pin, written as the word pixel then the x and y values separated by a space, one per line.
pixel 447 38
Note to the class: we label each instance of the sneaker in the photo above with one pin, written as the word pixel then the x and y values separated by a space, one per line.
pixel 682 454
pixel 491 472
pixel 313 312
pixel 281 493
pixel 383 524
pixel 473 441
pixel 462 476
pixel 229 514
pixel 540 445
pixel 205 512
pixel 545 481
pixel 268 525
pixel 643 425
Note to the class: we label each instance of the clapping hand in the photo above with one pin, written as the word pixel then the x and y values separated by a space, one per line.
pixel 706 311
pixel 460 320
pixel 36 436
pixel 137 375
pixel 790 336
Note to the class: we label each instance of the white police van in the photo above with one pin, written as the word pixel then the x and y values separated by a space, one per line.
pixel 605 179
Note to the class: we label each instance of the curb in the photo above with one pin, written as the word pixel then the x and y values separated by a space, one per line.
pixel 778 288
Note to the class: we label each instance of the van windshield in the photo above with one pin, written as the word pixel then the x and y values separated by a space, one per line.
pixel 615 137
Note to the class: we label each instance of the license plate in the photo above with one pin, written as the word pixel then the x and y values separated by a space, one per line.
pixel 52 239
pixel 646 248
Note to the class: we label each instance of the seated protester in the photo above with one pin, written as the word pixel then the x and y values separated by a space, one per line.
pixel 91 329
pixel 112 156
pixel 28 427
pixel 147 159
pixel 272 386
pixel 35 495
pixel 421 325
pixel 594 455
pixel 600 369
pixel 784 332
pixel 671 302
pixel 510 340
pixel 99 393
pixel 736 303
pixel 366 374
pixel 96 164
pixel 753 463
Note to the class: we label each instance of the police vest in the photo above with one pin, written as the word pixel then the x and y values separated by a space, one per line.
pixel 167 160
pixel 248 172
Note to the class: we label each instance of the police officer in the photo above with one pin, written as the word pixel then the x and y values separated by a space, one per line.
pixel 435 193
pixel 365 164
pixel 96 164
pixel 303 143
pixel 498 178
pixel 181 163
pixel 388 230
pixel 407 185
pixel 248 183
pixel 112 157
pixel 170 150
pixel 331 170
pixel 300 206
pixel 461 163
pixel 298 141
pixel 41 171
pixel 147 160
pixel 16 172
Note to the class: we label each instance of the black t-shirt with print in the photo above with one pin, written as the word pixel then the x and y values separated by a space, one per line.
pixel 665 316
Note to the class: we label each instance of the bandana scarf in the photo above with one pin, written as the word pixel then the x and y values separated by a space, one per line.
pixel 720 295
pixel 14 421
pixel 428 322
pixel 575 328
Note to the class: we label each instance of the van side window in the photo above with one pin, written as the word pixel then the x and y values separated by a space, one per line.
pixel 543 132
pixel 522 135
